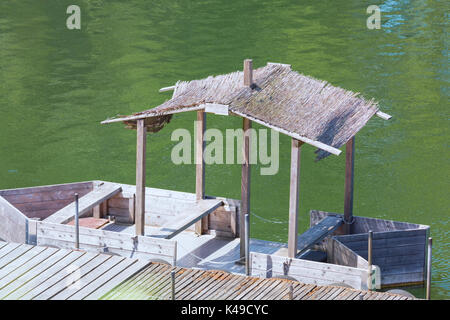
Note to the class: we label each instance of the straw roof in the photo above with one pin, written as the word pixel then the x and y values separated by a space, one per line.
pixel 305 108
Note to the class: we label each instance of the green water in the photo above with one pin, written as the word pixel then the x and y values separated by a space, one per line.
pixel 56 85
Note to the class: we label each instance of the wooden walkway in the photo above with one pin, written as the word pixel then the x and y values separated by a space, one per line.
pixel 36 273
pixel 154 283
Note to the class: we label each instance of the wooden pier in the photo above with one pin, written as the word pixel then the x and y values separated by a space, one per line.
pixel 44 273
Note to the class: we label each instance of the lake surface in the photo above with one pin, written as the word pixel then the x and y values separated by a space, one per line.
pixel 56 85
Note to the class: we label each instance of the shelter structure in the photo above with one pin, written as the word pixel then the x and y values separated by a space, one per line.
pixel 308 110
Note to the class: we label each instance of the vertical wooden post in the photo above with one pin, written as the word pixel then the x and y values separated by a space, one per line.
pixel 140 177
pixel 202 225
pixel 349 174
pixel 245 177
pixel 294 197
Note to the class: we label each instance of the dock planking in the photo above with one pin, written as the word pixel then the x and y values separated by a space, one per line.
pixel 154 283
pixel 39 273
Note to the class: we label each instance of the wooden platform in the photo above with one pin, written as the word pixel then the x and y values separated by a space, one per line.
pixel 36 273
pixel 154 283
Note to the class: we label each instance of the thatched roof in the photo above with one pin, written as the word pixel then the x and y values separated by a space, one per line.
pixel 305 108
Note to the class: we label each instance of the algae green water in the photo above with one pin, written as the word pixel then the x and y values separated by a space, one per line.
pixel 56 85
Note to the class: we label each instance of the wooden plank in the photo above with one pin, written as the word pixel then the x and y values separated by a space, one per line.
pixel 200 144
pixel 54 275
pixel 245 182
pixel 44 271
pixel 86 203
pixel 17 262
pixel 13 255
pixel 14 224
pixel 307 271
pixel 67 282
pixel 12 276
pixel 202 209
pixel 317 233
pixel 106 241
pixel 90 222
pixel 349 182
pixel 89 278
pixel 121 277
pixel 48 188
pixel 8 248
pixel 294 188
pixel 248 72
pixel 39 265
pixel 141 149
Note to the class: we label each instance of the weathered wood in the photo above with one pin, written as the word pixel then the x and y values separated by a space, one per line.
pixel 248 72
pixel 317 233
pixel 141 149
pixel 349 182
pixel 200 144
pixel 42 273
pixel 35 191
pixel 245 183
pixel 96 240
pixel 13 223
pixel 203 209
pixel 312 272
pixel 86 203
pixel 294 188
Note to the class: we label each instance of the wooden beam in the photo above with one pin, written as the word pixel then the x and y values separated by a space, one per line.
pixel 167 89
pixel 140 177
pixel 349 173
pixel 245 177
pixel 294 198
pixel 202 225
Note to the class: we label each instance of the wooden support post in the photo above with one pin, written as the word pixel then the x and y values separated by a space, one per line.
pixel 101 210
pixel 202 225
pixel 294 198
pixel 349 174
pixel 140 177
pixel 245 178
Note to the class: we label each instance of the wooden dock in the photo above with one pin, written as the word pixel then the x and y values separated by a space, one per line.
pixel 154 283
pixel 43 273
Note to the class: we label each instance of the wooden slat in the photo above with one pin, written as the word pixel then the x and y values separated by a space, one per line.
pixel 66 282
pixel 8 248
pixel 202 209
pixel 62 271
pixel 103 279
pixel 45 271
pixel 36 267
pixel 102 240
pixel 89 277
pixel 14 254
pixel 14 276
pixel 86 203
pixel 123 276
pixel 15 263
